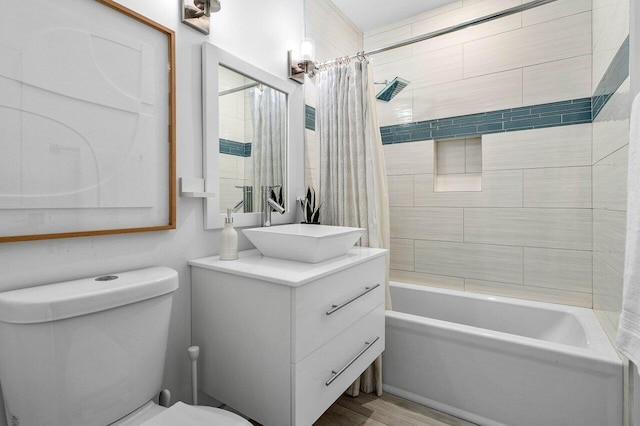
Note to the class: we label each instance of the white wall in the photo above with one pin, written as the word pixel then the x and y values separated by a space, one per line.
pixel 256 31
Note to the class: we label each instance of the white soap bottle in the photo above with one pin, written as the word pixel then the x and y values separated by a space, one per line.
pixel 228 239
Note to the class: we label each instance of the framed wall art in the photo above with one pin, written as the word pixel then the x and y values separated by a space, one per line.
pixel 87 119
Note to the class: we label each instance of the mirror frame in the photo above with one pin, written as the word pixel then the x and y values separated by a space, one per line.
pixel 212 57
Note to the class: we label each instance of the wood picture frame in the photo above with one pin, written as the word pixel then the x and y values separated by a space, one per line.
pixel 87 104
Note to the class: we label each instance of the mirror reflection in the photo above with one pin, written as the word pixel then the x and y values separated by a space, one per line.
pixel 252 141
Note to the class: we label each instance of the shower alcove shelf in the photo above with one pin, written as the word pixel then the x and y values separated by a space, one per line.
pixel 282 340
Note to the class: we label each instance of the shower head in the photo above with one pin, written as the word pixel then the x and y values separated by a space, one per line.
pixel 391 89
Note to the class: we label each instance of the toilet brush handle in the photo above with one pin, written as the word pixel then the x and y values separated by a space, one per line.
pixel 194 352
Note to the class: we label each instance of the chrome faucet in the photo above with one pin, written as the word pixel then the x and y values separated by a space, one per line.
pixel 268 205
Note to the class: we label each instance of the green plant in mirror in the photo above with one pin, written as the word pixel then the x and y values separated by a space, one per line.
pixel 310 207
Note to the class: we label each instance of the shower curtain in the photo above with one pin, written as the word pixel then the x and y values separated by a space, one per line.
pixel 353 181
pixel 628 338
pixel 268 150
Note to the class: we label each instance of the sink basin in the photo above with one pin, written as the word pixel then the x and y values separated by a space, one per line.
pixel 304 242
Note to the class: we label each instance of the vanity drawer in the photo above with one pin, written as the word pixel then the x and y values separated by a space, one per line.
pixel 313 395
pixel 357 345
pixel 330 305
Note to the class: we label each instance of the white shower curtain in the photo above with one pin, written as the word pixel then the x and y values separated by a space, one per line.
pixel 353 181
pixel 628 338
pixel 268 150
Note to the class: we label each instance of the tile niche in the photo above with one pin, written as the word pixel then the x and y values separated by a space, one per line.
pixel 458 165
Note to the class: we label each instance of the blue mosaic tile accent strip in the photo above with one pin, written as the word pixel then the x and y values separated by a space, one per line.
pixel 235 148
pixel 575 111
pixel 615 75
pixel 309 117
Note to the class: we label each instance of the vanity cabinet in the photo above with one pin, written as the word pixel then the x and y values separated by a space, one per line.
pixel 280 340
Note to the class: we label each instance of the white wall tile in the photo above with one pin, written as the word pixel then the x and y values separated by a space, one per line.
pixel 400 189
pixel 431 280
pixel 479 261
pixel 549 147
pixel 549 41
pixel 560 269
pixel 610 181
pixel 428 223
pixel 454 5
pixel 611 126
pixel 409 158
pixel 398 111
pixel 228 166
pixel 610 28
pixel 549 228
pixel 333 33
pixel 436 67
pixel 607 286
pixel 555 10
pixel 450 156
pixel 453 17
pixel 387 38
pixel 568 187
pixel 473 154
pixel 465 182
pixel 499 189
pixel 609 233
pixel 530 293
pixel 557 81
pixel 470 95
pixel 609 136
pixel 401 254
pixel 229 194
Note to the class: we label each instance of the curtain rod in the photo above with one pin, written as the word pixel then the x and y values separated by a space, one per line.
pixel 238 89
pixel 453 28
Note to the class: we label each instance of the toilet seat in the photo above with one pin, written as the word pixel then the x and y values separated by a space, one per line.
pixel 181 414
pixel 187 415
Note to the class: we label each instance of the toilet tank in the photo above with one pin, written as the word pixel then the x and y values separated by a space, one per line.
pixel 84 352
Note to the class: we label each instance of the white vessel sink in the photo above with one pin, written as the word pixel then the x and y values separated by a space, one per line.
pixel 304 242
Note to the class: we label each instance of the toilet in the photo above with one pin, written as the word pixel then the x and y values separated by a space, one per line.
pixel 90 352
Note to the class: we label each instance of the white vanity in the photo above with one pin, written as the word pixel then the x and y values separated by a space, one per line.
pixel 281 340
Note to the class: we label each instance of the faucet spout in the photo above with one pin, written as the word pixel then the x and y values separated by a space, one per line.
pixel 277 207
pixel 268 205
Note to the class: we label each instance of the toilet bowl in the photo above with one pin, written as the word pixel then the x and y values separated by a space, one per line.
pixel 181 414
pixel 91 352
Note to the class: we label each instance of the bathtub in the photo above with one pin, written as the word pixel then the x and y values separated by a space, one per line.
pixel 501 361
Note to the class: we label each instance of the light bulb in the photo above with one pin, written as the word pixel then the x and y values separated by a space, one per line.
pixel 307 49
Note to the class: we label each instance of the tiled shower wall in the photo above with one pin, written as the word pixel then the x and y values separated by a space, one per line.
pixel 528 233
pixel 533 229
pixel 610 156
pixel 236 135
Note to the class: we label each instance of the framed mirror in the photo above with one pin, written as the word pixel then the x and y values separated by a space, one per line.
pixel 253 132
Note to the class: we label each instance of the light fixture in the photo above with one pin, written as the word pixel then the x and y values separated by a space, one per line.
pixel 303 62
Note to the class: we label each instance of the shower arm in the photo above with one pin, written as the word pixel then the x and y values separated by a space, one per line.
pixel 437 33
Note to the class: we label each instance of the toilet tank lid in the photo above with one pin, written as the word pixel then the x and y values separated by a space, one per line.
pixel 68 299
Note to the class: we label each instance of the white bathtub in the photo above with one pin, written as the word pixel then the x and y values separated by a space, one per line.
pixel 501 361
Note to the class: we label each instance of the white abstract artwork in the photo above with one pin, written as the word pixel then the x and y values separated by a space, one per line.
pixel 83 120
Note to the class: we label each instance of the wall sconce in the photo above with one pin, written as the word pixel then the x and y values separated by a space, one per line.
pixel 196 13
pixel 302 63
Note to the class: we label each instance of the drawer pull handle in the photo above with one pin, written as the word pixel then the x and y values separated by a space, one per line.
pixel 337 374
pixel 343 304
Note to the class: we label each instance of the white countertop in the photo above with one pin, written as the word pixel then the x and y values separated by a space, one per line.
pixel 252 264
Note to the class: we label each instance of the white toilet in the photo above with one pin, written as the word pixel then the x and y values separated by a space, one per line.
pixel 91 352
